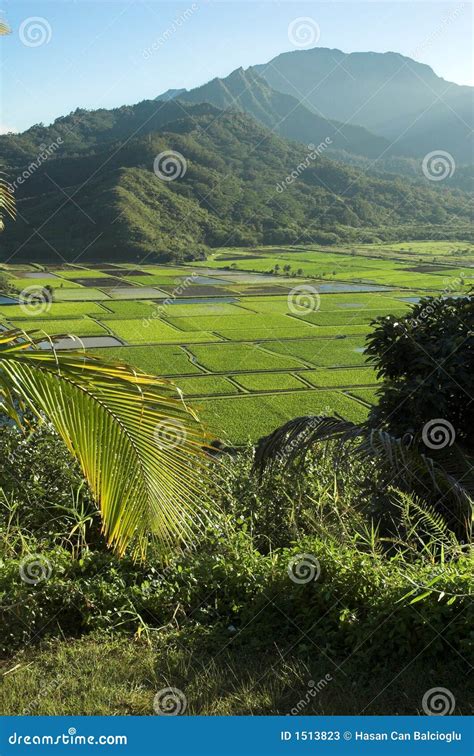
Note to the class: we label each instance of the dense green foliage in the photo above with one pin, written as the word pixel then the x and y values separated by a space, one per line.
pixel 237 574
pixel 228 194
pixel 426 359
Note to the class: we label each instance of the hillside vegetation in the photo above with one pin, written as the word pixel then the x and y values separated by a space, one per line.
pixel 97 195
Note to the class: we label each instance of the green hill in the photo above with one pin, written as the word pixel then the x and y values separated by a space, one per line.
pixel 97 196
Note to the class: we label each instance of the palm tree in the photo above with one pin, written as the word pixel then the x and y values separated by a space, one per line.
pixel 140 448
pixel 448 480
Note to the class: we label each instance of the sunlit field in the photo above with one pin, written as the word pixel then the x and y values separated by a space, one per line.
pixel 263 335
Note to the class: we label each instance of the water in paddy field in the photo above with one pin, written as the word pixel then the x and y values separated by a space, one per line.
pixel 7 300
pixel 202 300
pixel 87 342
pixel 207 280
pixel 36 274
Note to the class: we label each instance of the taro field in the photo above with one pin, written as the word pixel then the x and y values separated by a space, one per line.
pixel 251 337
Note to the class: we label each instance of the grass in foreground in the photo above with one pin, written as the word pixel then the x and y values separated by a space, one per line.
pixel 123 676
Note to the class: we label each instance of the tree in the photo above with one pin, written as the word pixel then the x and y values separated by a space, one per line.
pixel 426 360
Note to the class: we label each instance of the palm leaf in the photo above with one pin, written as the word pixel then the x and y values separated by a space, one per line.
pixel 140 448
pixel 295 438
pixel 398 456
pixel 7 201
pixel 4 28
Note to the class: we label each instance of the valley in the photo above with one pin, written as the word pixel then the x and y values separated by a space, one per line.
pixel 250 337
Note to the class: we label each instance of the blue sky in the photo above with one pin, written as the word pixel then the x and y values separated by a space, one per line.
pixel 103 53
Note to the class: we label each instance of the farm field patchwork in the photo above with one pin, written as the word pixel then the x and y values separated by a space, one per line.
pixel 269 381
pixel 78 326
pixel 251 337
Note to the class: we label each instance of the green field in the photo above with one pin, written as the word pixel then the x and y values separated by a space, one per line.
pixel 231 338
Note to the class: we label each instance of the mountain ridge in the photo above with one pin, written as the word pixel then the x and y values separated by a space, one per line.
pixel 374 90
pixel 99 198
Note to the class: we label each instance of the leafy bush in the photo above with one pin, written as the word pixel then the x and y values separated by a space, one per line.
pixel 227 583
pixel 425 359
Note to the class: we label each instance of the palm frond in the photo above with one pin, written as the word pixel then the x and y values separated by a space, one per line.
pixel 296 437
pixel 7 200
pixel 400 457
pixel 4 28
pixel 140 448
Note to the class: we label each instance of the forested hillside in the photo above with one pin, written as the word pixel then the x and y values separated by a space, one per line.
pixel 97 195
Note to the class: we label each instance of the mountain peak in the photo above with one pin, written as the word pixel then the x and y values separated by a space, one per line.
pixel 170 94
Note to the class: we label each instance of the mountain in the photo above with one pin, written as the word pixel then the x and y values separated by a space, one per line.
pixel 387 93
pixel 285 115
pixel 98 197
pixel 171 94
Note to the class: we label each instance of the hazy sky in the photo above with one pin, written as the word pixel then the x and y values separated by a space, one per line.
pixel 65 54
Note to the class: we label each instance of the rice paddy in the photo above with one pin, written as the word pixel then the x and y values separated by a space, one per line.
pixel 232 332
